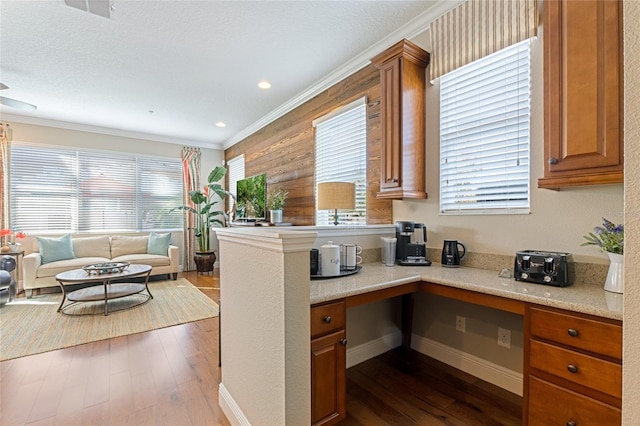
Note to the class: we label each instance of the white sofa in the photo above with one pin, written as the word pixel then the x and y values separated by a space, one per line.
pixel 99 249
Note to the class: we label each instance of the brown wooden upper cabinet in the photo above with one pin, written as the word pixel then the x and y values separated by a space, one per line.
pixel 582 93
pixel 402 116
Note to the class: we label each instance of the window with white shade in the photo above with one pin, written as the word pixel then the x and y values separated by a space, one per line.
pixel 484 134
pixel 55 190
pixel 341 156
pixel 235 172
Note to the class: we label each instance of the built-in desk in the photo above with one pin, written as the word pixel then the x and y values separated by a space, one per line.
pixel 592 300
pixel 571 334
pixel 563 327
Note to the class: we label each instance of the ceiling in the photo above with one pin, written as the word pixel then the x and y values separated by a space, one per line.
pixel 169 70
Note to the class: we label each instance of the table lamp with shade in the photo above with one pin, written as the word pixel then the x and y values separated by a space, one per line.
pixel 336 196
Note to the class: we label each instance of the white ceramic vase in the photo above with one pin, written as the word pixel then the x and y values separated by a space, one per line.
pixel 276 216
pixel 615 277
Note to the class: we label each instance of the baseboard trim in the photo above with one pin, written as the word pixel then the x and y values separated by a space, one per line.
pixel 373 348
pixel 493 373
pixel 230 408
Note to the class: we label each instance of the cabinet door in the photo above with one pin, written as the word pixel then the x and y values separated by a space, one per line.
pixel 583 93
pixel 554 405
pixel 328 379
pixel 390 98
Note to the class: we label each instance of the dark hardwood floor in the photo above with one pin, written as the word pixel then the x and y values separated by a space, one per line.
pixel 170 376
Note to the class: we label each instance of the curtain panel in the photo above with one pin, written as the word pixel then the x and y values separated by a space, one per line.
pixel 478 28
pixel 5 152
pixel 190 182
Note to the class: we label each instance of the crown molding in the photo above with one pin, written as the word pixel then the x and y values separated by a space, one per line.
pixel 24 119
pixel 413 28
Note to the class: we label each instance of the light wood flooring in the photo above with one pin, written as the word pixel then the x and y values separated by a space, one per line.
pixel 170 376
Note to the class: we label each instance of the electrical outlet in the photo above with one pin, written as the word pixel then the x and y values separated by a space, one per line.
pixel 504 337
pixel 460 323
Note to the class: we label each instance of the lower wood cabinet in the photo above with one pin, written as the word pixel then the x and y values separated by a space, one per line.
pixel 328 363
pixel 573 369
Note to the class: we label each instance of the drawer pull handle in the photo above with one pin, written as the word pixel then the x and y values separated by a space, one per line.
pixel 572 332
pixel 572 423
pixel 343 342
pixel 572 368
pixel 327 319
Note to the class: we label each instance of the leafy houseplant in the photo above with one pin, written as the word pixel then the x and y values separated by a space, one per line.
pixel 204 212
pixel 276 199
pixel 275 203
pixel 609 237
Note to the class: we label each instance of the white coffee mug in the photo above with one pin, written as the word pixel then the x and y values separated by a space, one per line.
pixel 350 256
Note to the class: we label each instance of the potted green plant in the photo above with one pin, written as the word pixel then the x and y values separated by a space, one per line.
pixel 206 216
pixel 275 203
pixel 609 238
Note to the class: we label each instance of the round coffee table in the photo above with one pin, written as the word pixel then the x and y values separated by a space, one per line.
pixel 109 289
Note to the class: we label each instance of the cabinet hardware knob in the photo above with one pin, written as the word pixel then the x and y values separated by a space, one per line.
pixel 572 368
pixel 343 342
pixel 553 160
pixel 572 332
pixel 572 423
pixel 394 180
pixel 327 319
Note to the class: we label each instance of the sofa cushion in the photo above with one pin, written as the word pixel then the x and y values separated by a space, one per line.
pixel 122 245
pixel 54 268
pixel 92 247
pixel 158 244
pixel 144 259
pixel 53 249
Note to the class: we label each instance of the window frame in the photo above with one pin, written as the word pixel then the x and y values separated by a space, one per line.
pixel 358 216
pixel 516 199
pixel 24 188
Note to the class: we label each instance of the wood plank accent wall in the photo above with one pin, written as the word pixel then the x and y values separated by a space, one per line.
pixel 284 149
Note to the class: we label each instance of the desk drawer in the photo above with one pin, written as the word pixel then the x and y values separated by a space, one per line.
pixel 553 405
pixel 576 331
pixel 327 318
pixel 585 370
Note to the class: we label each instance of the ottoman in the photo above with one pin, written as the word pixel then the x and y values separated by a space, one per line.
pixel 7 287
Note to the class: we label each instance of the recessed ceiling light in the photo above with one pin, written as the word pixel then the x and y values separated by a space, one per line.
pixel 221 124
pixel 264 85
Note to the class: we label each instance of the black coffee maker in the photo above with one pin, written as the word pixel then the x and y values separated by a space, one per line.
pixel 410 246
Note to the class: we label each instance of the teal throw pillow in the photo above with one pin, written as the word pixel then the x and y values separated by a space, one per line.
pixel 53 249
pixel 158 244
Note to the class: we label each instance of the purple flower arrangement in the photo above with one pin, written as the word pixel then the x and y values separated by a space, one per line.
pixel 609 237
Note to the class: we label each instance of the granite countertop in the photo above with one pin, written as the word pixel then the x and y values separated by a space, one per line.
pixel 588 299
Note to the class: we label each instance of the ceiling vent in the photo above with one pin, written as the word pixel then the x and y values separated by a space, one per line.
pixel 97 7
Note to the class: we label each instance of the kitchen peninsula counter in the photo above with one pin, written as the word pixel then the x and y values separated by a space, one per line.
pixel 588 299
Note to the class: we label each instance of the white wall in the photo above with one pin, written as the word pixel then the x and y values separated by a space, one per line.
pixel 631 328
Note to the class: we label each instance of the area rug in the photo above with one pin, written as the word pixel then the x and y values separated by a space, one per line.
pixel 31 326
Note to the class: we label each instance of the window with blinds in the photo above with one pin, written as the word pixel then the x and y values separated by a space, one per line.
pixel 235 172
pixel 60 190
pixel 341 156
pixel 484 134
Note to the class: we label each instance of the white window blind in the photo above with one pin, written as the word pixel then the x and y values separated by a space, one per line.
pixel 341 156
pixel 484 134
pixel 61 190
pixel 235 172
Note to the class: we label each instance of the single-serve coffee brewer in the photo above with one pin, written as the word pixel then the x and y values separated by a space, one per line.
pixel 411 244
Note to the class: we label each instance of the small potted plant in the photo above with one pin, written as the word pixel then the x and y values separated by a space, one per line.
pixel 609 238
pixel 275 203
